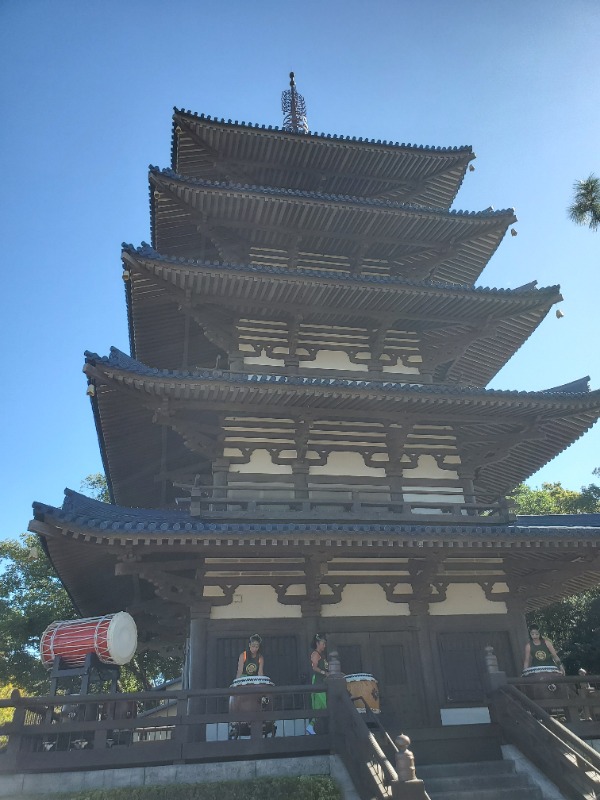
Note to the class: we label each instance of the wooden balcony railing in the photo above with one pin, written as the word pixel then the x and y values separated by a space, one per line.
pixel 260 500
pixel 102 731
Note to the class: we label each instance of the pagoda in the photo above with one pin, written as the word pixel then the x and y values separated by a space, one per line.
pixel 301 438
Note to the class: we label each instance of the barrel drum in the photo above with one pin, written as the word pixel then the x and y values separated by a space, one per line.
pixel 113 638
pixel 364 685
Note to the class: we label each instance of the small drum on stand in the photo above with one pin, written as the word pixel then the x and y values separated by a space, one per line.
pixel 364 685
pixel 113 638
pixel 248 702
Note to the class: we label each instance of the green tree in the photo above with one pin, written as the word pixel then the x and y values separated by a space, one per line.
pixel 585 208
pixel 96 486
pixel 31 597
pixel 573 624
pixel 553 498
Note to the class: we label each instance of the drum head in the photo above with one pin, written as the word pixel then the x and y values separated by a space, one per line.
pixel 360 676
pixel 121 638
pixel 253 680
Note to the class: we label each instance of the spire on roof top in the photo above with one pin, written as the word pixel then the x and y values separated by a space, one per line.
pixel 294 109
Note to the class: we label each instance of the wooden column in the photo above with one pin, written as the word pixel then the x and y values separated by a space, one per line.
pixel 198 653
pixel 425 649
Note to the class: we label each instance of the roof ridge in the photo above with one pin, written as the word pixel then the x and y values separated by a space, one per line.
pixel 120 360
pixel 91 513
pixel 146 251
pixel 326 136
pixel 367 201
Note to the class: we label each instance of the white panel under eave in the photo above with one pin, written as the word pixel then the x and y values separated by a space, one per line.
pixel 466 598
pixel 365 600
pixel 334 359
pixel 427 467
pixel 252 602
pixel 261 463
pixel 347 464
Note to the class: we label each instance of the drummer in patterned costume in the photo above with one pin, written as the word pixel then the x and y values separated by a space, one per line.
pixel 540 652
pixel 251 662
pixel 320 670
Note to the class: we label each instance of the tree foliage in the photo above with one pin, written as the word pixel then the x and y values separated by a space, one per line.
pixel 585 208
pixel 573 624
pixel 32 597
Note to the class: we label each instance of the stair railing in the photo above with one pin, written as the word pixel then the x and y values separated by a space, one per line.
pixel 559 753
pixel 354 741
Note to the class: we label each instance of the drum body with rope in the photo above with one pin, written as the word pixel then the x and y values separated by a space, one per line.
pixel 113 638
pixel 541 683
pixel 252 700
pixel 363 684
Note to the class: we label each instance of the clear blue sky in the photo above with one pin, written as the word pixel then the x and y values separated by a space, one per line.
pixel 87 91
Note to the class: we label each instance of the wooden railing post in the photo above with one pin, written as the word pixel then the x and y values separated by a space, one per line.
pixel 495 677
pixel 13 747
pixel 408 786
pixel 336 692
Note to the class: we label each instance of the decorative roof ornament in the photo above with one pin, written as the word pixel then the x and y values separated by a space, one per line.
pixel 294 109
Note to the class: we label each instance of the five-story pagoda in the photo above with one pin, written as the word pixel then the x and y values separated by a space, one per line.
pixel 301 438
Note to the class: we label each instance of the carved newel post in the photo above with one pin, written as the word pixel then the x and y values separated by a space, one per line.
pixel 405 760
pixel 495 677
pixel 335 667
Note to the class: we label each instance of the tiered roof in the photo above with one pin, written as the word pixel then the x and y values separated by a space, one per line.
pixel 85 539
pixel 468 333
pixel 504 436
pixel 193 217
pixel 219 150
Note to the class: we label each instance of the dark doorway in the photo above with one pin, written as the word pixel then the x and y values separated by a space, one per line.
pixel 393 659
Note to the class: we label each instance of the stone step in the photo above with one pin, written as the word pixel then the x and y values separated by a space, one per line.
pixel 467 782
pixel 466 768
pixel 524 793
pixel 491 780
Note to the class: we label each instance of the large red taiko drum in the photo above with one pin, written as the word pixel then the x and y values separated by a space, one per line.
pixel 113 638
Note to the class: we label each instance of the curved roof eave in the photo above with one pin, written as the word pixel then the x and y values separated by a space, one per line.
pixel 105 521
pixel 119 362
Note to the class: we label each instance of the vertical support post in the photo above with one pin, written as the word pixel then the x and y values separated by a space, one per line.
pixel 197 668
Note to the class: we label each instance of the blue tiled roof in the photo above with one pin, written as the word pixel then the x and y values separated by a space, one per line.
pixel 119 360
pixel 337 198
pixel 146 251
pixel 559 520
pixel 84 512
pixel 329 136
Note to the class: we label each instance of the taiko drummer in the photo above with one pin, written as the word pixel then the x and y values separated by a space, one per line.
pixel 320 669
pixel 540 652
pixel 251 661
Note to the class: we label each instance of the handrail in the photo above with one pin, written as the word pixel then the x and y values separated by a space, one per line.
pixel 182 725
pixel 285 499
pixel 370 769
pixel 568 761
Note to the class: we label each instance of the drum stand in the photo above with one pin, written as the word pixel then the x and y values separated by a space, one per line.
pixel 92 672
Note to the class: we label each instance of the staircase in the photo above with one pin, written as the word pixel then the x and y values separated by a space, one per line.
pixel 484 780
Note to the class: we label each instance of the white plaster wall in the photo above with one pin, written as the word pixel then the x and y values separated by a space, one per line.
pixel 400 368
pixel 334 359
pixel 253 602
pixel 261 462
pixel 347 464
pixel 365 600
pixel 466 598
pixel 264 360
pixel 427 468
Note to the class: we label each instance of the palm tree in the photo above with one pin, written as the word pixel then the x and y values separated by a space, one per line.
pixel 585 209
